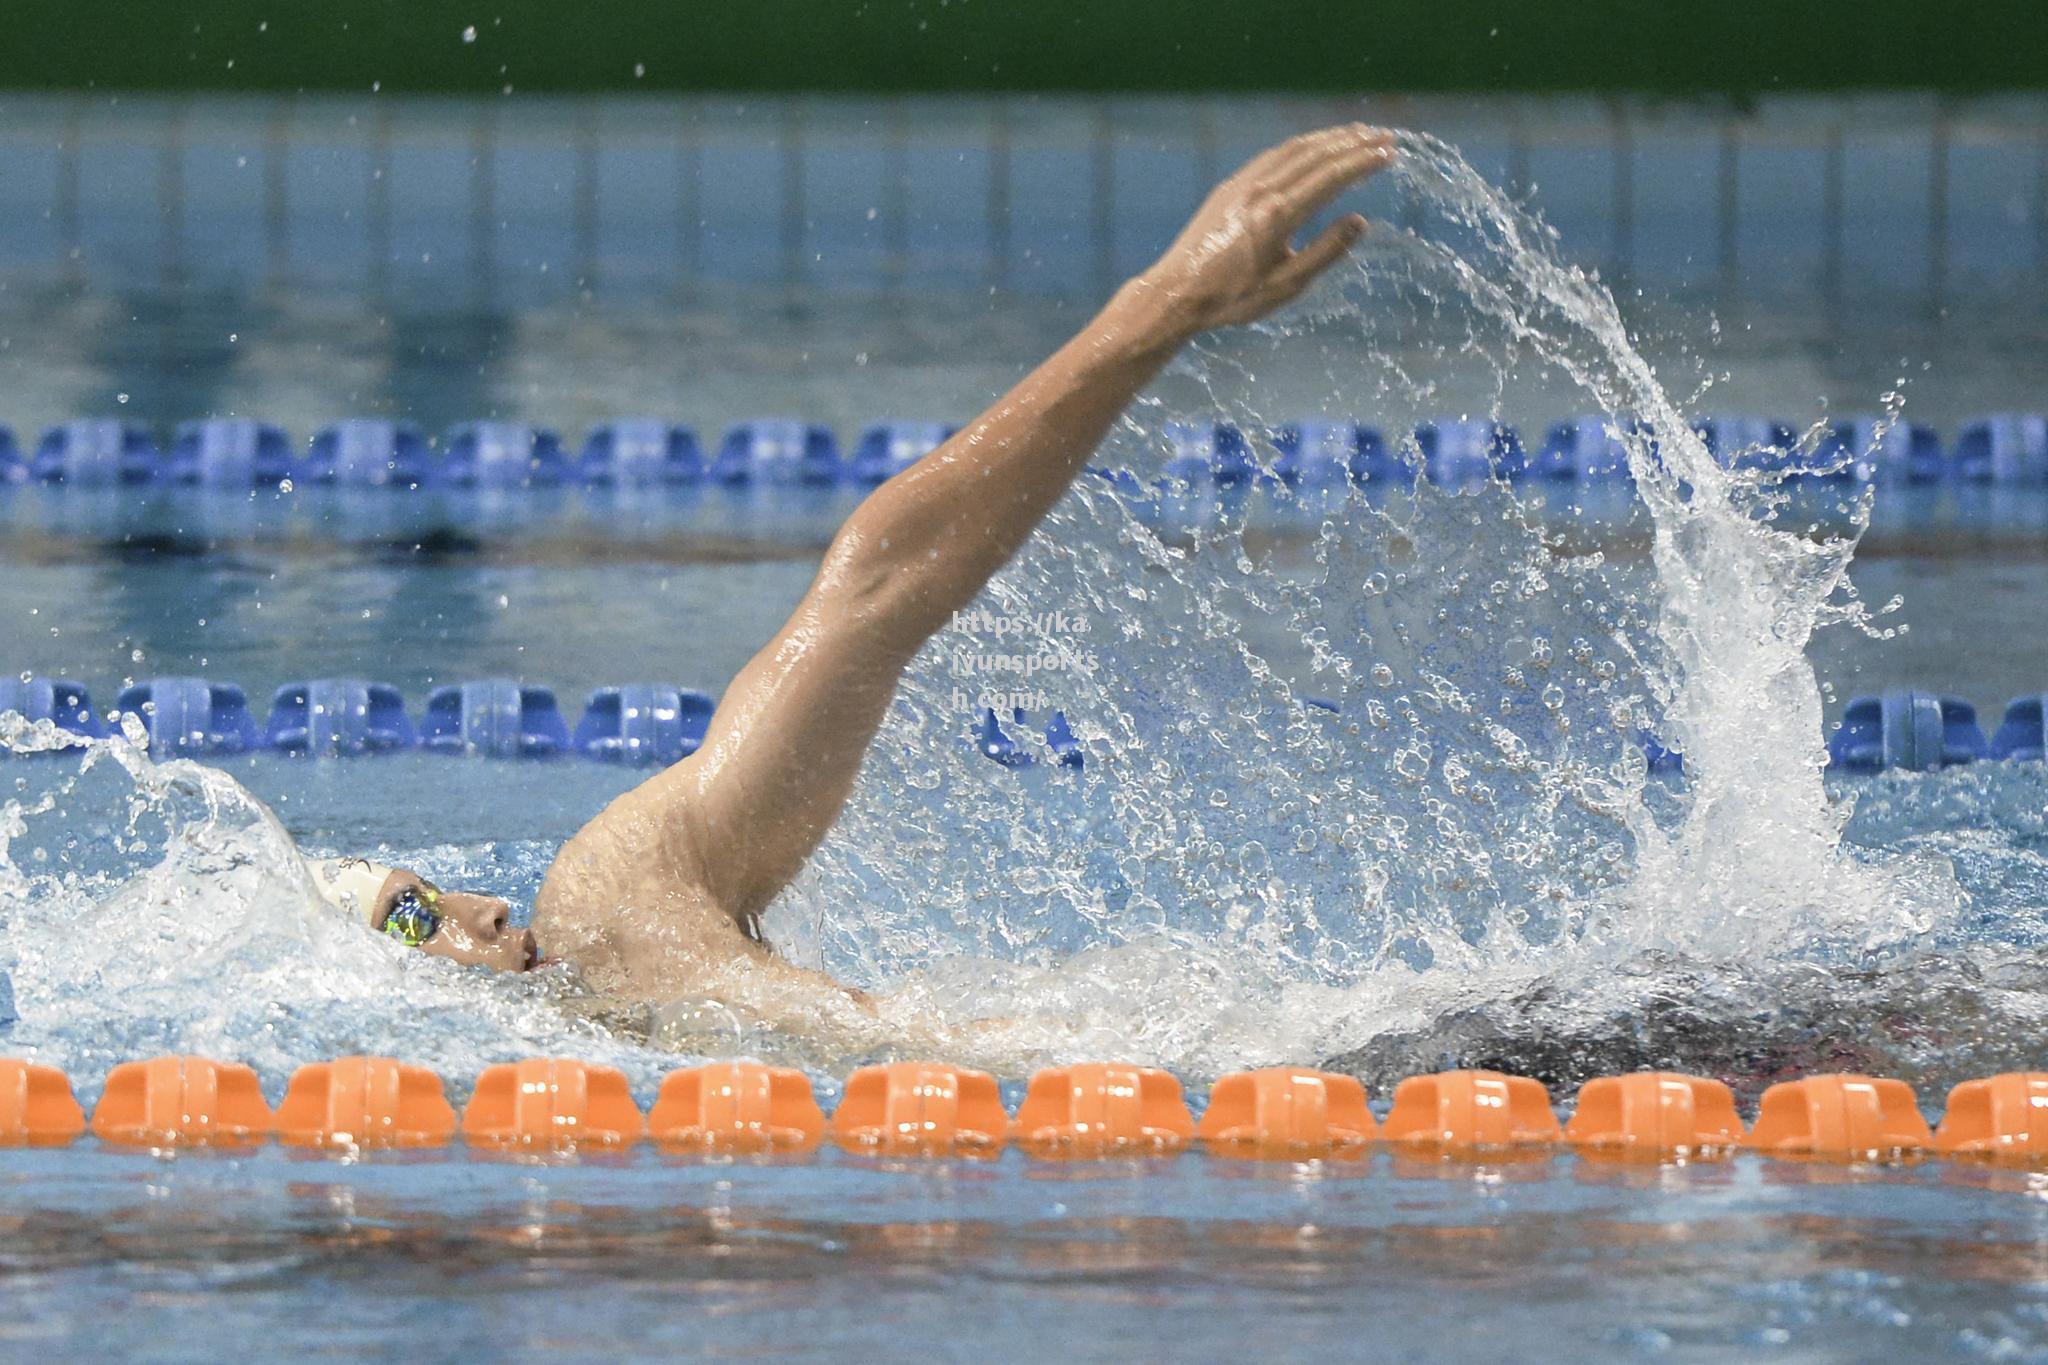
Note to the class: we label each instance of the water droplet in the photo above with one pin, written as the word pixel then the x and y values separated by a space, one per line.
pixel 469 34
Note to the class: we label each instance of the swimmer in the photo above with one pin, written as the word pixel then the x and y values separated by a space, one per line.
pixel 661 895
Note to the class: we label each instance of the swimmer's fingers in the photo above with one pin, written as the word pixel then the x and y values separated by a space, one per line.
pixel 1299 270
pixel 1305 150
pixel 1318 184
pixel 1266 165
pixel 1272 173
pixel 1280 163
pixel 1306 155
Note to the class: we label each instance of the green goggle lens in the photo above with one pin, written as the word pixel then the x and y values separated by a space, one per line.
pixel 413 919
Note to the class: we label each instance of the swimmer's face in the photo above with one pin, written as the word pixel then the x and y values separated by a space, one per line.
pixel 462 926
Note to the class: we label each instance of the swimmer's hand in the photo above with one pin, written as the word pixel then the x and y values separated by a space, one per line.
pixel 1233 262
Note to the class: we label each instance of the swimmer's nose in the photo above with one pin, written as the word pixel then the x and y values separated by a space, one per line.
pixel 486 919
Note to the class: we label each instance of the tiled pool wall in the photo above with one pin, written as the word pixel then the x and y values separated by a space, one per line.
pixel 1892 201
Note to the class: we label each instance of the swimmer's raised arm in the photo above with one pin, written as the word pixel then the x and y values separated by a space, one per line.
pixel 788 737
pixel 923 544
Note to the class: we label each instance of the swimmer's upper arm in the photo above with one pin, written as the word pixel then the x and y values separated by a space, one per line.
pixel 787 739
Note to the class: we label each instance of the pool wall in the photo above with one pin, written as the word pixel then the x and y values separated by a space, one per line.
pixel 1901 202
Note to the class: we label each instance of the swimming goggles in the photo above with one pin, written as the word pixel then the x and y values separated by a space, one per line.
pixel 415 916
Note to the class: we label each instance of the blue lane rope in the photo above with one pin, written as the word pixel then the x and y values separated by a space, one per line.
pixel 649 723
pixel 2004 449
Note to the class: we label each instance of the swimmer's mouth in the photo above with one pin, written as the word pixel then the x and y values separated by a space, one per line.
pixel 533 957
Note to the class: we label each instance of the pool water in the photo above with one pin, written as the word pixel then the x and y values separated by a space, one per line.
pixel 1560 1260
pixel 1465 864
pixel 110 586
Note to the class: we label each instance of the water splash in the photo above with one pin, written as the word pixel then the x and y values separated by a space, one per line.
pixel 1246 877
pixel 156 906
pixel 1465 860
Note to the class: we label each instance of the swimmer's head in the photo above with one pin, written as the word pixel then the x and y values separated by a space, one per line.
pixel 461 925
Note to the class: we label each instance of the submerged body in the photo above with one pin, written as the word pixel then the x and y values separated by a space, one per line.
pixel 661 894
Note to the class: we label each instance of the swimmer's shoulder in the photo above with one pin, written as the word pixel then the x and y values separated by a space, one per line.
pixel 627 896
pixel 642 840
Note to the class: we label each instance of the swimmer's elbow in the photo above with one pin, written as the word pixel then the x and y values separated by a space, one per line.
pixel 894 589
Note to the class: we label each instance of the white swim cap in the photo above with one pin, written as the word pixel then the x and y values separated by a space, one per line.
pixel 350 884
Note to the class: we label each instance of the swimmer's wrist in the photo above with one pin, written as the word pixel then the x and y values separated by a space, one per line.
pixel 1148 318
